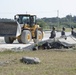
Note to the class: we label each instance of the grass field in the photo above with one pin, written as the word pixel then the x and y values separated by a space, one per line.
pixel 53 62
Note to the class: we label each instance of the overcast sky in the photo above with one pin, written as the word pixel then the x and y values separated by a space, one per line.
pixel 41 8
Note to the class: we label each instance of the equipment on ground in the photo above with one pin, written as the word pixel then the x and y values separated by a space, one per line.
pixel 24 28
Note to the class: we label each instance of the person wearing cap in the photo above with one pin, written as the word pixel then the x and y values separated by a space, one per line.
pixel 53 33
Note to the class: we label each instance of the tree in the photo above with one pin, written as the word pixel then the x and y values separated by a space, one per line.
pixel 41 23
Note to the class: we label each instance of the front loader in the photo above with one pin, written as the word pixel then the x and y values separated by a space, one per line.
pixel 23 28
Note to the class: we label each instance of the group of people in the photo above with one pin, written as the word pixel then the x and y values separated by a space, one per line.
pixel 53 33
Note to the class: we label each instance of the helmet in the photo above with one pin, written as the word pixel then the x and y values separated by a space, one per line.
pixel 63 28
pixel 53 28
pixel 72 27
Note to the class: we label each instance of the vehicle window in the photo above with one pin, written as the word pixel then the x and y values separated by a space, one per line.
pixel 23 19
pixel 34 19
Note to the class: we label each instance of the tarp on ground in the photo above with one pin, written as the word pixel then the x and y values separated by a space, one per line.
pixel 68 42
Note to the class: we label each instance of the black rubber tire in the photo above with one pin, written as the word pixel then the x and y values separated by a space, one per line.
pixel 38 37
pixel 8 40
pixel 19 40
pixel 26 36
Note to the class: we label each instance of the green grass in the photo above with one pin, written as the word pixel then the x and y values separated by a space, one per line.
pixel 53 62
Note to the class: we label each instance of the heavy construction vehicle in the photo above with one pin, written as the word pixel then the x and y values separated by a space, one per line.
pixel 24 28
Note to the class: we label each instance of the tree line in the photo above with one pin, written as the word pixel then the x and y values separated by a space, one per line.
pixel 47 23
pixel 68 21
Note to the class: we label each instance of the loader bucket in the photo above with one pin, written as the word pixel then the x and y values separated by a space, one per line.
pixel 8 28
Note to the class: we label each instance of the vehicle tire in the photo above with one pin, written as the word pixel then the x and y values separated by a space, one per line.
pixel 38 36
pixel 26 36
pixel 9 40
pixel 19 39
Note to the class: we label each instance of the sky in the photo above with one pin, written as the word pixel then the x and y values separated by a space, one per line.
pixel 41 8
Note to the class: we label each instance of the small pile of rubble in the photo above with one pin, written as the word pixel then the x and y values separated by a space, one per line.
pixel 30 60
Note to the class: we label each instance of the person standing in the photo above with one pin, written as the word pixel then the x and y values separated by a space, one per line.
pixel 72 31
pixel 63 32
pixel 53 33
